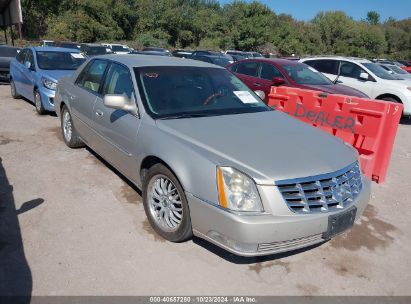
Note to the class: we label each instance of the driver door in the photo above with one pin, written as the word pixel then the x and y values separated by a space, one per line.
pixel 117 129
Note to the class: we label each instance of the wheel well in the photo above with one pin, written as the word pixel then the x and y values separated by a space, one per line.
pixel 62 104
pixel 150 161
pixel 389 96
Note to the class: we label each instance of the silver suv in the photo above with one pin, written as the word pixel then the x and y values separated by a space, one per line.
pixel 210 157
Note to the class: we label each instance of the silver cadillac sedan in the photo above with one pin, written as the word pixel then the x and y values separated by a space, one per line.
pixel 212 160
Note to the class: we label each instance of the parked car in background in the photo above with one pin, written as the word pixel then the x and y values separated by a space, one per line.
pixel 156 49
pixel 67 45
pixel 47 43
pixel 237 55
pixel 93 49
pixel 396 71
pixel 117 48
pixel 218 60
pixel 404 63
pixel 35 71
pixel 214 57
pixel 7 53
pixel 152 118
pixel 182 53
pixel 394 62
pixel 263 73
pixel 153 53
pixel 254 55
pixel 366 76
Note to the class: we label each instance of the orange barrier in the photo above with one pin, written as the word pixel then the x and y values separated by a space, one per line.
pixel 368 125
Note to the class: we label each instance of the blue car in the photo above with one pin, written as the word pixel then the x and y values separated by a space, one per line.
pixel 35 71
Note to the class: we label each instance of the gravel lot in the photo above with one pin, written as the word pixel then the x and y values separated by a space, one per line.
pixel 70 225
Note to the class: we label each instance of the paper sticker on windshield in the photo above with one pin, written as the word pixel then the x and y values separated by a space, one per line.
pixel 245 97
pixel 151 75
pixel 77 55
pixel 312 69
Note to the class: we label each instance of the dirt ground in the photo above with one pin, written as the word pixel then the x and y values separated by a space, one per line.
pixel 70 225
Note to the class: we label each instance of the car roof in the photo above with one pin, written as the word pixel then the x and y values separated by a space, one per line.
pixel 134 60
pixel 353 59
pixel 280 62
pixel 54 49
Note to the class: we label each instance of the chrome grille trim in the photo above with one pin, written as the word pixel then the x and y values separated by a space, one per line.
pixel 286 245
pixel 322 193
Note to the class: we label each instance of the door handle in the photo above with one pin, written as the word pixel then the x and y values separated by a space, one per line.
pixel 72 97
pixel 257 84
pixel 99 113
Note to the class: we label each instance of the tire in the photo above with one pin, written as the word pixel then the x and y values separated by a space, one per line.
pixel 70 135
pixel 163 191
pixel 390 99
pixel 38 103
pixel 13 90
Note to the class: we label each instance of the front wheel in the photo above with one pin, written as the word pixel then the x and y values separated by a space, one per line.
pixel 13 90
pixel 166 205
pixel 70 136
pixel 38 103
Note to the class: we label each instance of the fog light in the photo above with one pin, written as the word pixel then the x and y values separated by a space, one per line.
pixel 233 244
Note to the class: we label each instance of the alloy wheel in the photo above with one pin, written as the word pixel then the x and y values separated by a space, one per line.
pixel 165 203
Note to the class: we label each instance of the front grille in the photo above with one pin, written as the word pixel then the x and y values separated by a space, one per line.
pixel 291 244
pixel 322 193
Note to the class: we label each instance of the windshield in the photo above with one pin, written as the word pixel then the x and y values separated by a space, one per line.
pixel 178 92
pixel 59 60
pixel 119 48
pixel 379 71
pixel 303 74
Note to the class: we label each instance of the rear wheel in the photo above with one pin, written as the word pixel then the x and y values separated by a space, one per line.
pixel 165 204
pixel 38 103
pixel 70 136
pixel 13 90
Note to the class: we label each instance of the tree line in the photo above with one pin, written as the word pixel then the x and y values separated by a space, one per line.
pixel 205 24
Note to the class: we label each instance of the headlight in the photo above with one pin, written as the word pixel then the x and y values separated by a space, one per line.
pixel 49 84
pixel 236 191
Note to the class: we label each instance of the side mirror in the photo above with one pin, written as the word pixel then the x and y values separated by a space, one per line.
pixel 277 81
pixel 260 94
pixel 27 64
pixel 363 76
pixel 120 102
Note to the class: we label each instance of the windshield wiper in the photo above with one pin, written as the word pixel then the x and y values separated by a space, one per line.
pixel 187 115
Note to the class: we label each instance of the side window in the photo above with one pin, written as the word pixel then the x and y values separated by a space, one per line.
pixel 248 68
pixel 93 75
pixel 118 81
pixel 269 71
pixel 326 66
pixel 233 68
pixel 21 56
pixel 351 70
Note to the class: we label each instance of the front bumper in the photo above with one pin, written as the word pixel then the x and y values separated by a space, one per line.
pixel 277 230
pixel 47 98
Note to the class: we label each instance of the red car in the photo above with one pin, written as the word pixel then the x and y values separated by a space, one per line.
pixel 261 74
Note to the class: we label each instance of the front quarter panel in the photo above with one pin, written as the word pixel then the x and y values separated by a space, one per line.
pixel 196 173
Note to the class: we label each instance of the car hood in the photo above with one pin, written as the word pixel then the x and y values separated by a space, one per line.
pixel 55 75
pixel 338 89
pixel 268 146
